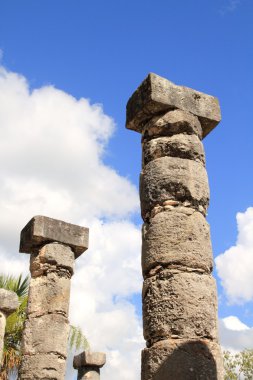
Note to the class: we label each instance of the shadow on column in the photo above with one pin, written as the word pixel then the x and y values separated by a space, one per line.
pixel 194 360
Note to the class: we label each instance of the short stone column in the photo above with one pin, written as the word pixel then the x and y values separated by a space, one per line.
pixel 8 304
pixel 179 292
pixel 53 245
pixel 88 365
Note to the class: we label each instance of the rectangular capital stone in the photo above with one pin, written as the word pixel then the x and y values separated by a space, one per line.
pixel 157 94
pixel 89 359
pixel 42 230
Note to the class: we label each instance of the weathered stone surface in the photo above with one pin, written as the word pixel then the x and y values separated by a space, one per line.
pixel 87 358
pixel 177 237
pixel 2 332
pixel 43 367
pixel 48 333
pixel 182 146
pixel 179 304
pixel 53 257
pixel 171 123
pixel 42 230
pixel 89 373
pixel 8 301
pixel 182 360
pixel 173 178
pixel 8 304
pixel 156 95
pixel 49 294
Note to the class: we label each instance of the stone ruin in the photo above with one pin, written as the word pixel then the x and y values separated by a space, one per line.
pixel 179 292
pixel 53 245
pixel 8 305
pixel 88 365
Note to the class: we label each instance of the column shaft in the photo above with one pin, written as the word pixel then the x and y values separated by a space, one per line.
pixel 46 331
pixel 179 293
pixel 53 245
pixel 88 373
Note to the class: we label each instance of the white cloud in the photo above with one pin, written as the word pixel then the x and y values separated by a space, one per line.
pixel 233 323
pixel 51 163
pixel 235 265
pixel 235 336
pixel 108 273
pixel 230 6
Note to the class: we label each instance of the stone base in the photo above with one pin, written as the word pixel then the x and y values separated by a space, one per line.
pixel 182 360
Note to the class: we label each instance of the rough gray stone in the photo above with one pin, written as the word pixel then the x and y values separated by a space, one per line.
pixel 52 257
pixel 175 237
pixel 42 230
pixel 176 179
pixel 8 301
pixel 179 304
pixel 49 294
pixel 87 358
pixel 45 334
pixel 8 304
pixel 182 146
pixel 2 332
pixel 89 373
pixel 156 95
pixel 43 367
pixel 172 123
pixel 182 360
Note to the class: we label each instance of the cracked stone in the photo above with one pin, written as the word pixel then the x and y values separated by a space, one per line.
pixel 179 303
pixel 176 179
pixel 175 237
pixel 182 146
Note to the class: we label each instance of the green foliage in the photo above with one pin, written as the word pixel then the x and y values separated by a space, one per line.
pixel 14 324
pixel 238 366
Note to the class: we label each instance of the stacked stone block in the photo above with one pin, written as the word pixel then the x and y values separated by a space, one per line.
pixel 8 305
pixel 88 365
pixel 179 292
pixel 54 245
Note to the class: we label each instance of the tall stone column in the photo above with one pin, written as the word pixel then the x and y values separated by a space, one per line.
pixel 8 305
pixel 53 245
pixel 88 365
pixel 179 292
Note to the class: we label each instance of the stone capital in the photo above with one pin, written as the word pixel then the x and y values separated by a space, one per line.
pixel 41 230
pixel 8 301
pixel 89 359
pixel 156 95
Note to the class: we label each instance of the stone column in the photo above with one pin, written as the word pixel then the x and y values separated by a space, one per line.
pixel 53 245
pixel 179 292
pixel 88 365
pixel 8 304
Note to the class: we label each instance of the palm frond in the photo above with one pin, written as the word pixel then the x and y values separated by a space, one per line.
pixel 19 285
pixel 77 339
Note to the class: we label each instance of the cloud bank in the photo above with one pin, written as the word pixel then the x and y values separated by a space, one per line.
pixel 51 159
pixel 235 265
pixel 235 336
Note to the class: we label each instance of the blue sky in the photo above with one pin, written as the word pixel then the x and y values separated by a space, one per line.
pixel 102 50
